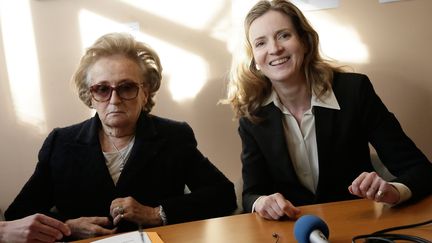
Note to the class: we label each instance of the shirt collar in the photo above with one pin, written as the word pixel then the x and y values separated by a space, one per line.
pixel 327 100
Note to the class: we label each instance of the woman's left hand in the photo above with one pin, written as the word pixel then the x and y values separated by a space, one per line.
pixel 129 209
pixel 370 185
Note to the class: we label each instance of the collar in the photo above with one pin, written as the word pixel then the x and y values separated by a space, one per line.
pixel 89 129
pixel 327 100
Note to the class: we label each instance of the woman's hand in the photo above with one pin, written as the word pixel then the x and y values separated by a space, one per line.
pixel 129 209
pixel 370 185
pixel 86 227
pixel 34 228
pixel 275 206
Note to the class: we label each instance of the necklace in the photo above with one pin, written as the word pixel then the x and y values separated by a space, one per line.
pixel 121 154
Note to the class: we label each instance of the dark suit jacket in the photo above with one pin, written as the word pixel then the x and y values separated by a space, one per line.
pixel 343 151
pixel 72 176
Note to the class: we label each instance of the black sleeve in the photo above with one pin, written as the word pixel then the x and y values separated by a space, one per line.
pixel 395 149
pixel 212 194
pixel 36 195
pixel 256 178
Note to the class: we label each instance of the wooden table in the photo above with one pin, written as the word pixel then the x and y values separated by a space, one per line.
pixel 345 220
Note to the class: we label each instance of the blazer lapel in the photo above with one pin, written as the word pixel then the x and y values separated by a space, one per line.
pixel 324 127
pixel 147 146
pixel 88 152
pixel 271 129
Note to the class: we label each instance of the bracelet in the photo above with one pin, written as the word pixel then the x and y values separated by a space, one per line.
pixel 162 215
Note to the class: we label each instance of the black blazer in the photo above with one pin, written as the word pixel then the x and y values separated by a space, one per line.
pixel 343 152
pixel 71 175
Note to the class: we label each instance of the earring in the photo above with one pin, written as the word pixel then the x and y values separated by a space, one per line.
pixel 257 67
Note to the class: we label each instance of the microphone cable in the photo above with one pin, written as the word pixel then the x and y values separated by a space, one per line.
pixel 382 236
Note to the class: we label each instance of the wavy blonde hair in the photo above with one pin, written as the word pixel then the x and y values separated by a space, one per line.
pixel 120 44
pixel 248 87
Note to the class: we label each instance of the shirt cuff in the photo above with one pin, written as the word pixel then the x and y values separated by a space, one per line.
pixel 253 205
pixel 404 192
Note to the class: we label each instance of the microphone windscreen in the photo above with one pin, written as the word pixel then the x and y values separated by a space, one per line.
pixel 304 226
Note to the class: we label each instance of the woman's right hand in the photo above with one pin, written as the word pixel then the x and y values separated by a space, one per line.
pixel 86 227
pixel 34 228
pixel 275 206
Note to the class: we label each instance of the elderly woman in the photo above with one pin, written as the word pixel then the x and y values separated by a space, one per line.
pixel 124 167
pixel 305 125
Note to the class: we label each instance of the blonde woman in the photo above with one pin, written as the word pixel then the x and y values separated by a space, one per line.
pixel 305 126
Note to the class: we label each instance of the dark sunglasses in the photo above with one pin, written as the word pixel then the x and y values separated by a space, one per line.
pixel 126 91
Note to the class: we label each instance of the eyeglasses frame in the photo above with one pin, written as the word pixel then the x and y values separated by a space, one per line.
pixel 115 87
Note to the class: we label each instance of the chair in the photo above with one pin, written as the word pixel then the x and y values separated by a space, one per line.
pixel 380 168
pixel 1 216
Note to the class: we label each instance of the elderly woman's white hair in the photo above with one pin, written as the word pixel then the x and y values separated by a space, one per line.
pixel 120 44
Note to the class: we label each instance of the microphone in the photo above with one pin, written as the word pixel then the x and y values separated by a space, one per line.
pixel 311 229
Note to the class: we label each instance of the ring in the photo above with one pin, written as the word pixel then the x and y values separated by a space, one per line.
pixel 120 210
pixel 380 194
pixel 121 215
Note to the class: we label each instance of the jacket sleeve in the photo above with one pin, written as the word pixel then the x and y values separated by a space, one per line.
pixel 395 149
pixel 36 195
pixel 211 193
pixel 256 178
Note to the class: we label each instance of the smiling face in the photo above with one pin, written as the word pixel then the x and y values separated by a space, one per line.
pixel 276 46
pixel 118 113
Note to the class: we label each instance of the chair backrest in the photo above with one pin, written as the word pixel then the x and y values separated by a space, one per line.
pixel 380 168
pixel 238 186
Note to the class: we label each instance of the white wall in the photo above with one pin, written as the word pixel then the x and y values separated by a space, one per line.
pixel 396 36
